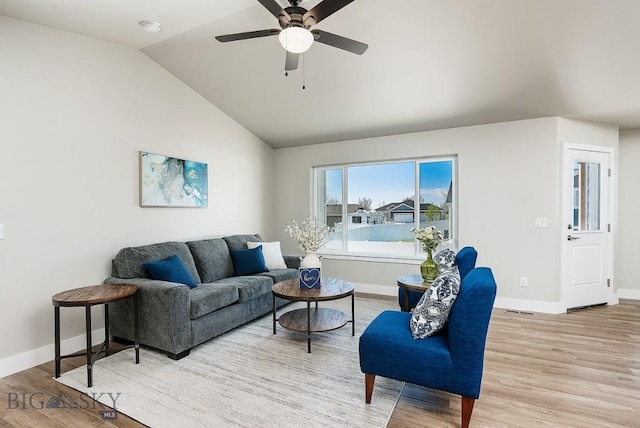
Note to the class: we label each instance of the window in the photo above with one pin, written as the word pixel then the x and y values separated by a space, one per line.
pixel 373 206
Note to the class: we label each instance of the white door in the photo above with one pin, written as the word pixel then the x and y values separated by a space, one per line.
pixel 586 234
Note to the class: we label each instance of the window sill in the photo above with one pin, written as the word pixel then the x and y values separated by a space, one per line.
pixel 404 259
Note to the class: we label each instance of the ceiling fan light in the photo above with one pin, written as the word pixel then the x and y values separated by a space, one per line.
pixel 296 39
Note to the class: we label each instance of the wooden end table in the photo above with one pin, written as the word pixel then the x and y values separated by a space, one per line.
pixel 319 319
pixel 412 283
pixel 88 297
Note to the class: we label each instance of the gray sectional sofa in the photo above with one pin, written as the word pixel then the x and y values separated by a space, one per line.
pixel 174 317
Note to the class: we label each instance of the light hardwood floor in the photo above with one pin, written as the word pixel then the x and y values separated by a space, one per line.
pixel 580 369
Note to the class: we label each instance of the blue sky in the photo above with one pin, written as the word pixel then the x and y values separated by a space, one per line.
pixel 388 183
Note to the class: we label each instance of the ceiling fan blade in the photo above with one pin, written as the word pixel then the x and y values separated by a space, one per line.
pixel 247 35
pixel 291 63
pixel 339 42
pixel 275 9
pixel 325 9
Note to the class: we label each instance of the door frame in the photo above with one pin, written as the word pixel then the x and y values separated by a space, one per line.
pixel 565 269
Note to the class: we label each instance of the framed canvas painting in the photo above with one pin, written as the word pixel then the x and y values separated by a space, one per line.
pixel 172 182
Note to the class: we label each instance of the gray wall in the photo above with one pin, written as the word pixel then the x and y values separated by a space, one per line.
pixel 628 230
pixel 75 112
pixel 508 176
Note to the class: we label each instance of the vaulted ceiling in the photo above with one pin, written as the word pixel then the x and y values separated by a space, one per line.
pixel 431 64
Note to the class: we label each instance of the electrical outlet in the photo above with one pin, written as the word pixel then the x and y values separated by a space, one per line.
pixel 524 281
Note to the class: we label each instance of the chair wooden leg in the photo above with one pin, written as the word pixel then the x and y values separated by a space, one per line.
pixel 369 380
pixel 467 408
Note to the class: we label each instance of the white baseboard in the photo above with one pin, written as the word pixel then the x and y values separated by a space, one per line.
pixel 35 357
pixel 501 302
pixel 628 293
pixel 382 290
pixel 530 305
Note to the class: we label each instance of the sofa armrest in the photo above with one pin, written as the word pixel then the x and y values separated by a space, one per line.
pixel 163 310
pixel 292 262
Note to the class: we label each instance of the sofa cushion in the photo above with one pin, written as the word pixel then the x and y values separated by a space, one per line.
pixel 272 254
pixel 248 262
pixel 212 258
pixel 279 275
pixel 172 270
pixel 239 242
pixel 211 297
pixel 249 287
pixel 432 311
pixel 128 263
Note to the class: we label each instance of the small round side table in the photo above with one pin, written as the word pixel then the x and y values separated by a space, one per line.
pixel 412 283
pixel 88 297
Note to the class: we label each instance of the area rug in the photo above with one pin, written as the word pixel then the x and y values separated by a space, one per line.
pixel 249 377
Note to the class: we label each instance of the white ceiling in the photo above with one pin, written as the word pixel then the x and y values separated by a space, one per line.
pixel 431 64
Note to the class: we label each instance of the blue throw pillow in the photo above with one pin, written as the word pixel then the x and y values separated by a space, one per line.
pixel 248 262
pixel 171 270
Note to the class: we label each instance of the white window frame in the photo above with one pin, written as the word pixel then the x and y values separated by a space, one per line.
pixel 344 253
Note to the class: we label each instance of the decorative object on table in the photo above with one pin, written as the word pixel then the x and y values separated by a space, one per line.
pixel 172 182
pixel 430 237
pixel 408 295
pixel 309 278
pixel 311 235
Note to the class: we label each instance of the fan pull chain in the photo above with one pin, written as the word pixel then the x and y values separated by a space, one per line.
pixel 303 73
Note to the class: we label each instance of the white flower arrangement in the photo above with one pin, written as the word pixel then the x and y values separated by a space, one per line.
pixel 311 235
pixel 430 237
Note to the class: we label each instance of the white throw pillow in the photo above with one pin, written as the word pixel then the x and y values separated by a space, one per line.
pixel 271 252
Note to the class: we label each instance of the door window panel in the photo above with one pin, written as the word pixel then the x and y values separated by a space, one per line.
pixel 586 196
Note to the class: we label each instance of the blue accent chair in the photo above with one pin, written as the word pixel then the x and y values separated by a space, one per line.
pixel 465 260
pixel 451 360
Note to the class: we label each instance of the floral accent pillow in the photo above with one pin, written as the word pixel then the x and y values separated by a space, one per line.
pixel 445 259
pixel 432 311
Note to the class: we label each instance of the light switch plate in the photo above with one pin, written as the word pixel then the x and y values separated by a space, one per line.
pixel 1 231
pixel 541 223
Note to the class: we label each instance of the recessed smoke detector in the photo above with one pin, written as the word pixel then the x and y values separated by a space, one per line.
pixel 150 26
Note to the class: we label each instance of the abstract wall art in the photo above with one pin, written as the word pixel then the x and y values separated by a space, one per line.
pixel 172 182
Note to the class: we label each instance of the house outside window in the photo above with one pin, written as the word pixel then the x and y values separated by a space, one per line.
pixel 373 206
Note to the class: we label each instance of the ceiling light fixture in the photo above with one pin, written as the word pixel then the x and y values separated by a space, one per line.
pixel 296 39
pixel 150 26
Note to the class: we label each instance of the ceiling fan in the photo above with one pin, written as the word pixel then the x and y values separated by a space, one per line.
pixel 294 35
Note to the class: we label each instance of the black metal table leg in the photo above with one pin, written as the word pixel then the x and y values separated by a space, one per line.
pixel 353 315
pixel 107 334
pixel 308 326
pixel 56 318
pixel 136 328
pixel 89 353
pixel 407 306
pixel 274 313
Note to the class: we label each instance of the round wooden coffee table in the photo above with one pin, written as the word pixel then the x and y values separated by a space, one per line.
pixel 317 319
pixel 87 297
pixel 412 283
